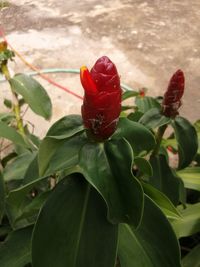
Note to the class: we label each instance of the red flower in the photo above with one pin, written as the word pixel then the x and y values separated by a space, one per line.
pixel 102 100
pixel 173 95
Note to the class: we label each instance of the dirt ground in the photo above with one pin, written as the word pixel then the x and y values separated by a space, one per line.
pixel 148 41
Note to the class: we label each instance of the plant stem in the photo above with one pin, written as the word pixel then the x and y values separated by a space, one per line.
pixel 15 101
pixel 159 136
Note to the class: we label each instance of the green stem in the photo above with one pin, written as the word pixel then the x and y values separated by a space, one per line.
pixel 15 101
pixel 159 136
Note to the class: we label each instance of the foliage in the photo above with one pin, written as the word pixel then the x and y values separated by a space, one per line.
pixel 69 200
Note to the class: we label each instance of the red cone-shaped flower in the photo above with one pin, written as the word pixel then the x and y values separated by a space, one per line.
pixel 102 100
pixel 172 98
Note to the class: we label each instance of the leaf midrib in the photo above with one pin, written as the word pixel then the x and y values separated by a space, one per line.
pixel 139 244
pixel 85 203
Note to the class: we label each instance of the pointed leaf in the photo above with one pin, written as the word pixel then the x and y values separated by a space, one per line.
pixel 33 93
pixel 17 168
pixel 77 237
pixel 107 167
pixel 59 154
pixel 144 166
pixel 6 117
pixel 146 103
pixel 189 223
pixel 2 197
pixel 190 177
pixel 153 119
pixel 164 179
pixel 152 244
pixel 135 116
pixel 129 93
pixel 140 138
pixel 11 134
pixel 162 201
pixel 66 127
pixel 16 250
pixel 192 259
pixel 186 137
pixel 32 171
pixel 17 200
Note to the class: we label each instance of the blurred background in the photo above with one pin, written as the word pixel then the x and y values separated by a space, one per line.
pixel 147 40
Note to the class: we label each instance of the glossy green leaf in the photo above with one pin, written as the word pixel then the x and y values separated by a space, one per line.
pixel 146 103
pixel 186 137
pixel 77 237
pixel 135 116
pixel 32 172
pixel 129 94
pixel 189 224
pixel 162 201
pixel 6 117
pixel 153 119
pixel 140 138
pixel 57 154
pixel 16 250
pixel 144 166
pixel 190 177
pixel 192 259
pixel 164 178
pixel 11 134
pixel 17 168
pixel 107 167
pixel 17 200
pixel 2 197
pixel 66 127
pixel 33 93
pixel 153 244
pixel 33 207
pixel 7 103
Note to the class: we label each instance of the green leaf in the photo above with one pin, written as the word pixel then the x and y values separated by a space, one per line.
pixel 6 117
pixel 153 119
pixel 33 93
pixel 144 166
pixel 189 224
pixel 146 103
pixel 107 167
pixel 66 127
pixel 32 172
pixel 16 250
pixel 129 94
pixel 77 237
pixel 17 200
pixel 186 137
pixel 59 154
pixel 192 259
pixel 190 177
pixel 162 201
pixel 152 244
pixel 11 134
pixel 164 179
pixel 33 208
pixel 135 116
pixel 7 103
pixel 2 197
pixel 17 168
pixel 140 138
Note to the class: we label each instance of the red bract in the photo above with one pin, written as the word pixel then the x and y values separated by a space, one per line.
pixel 102 100
pixel 173 95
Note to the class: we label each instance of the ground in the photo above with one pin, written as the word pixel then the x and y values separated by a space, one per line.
pixel 148 41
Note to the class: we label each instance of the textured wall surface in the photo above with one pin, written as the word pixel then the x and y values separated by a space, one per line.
pixel 148 41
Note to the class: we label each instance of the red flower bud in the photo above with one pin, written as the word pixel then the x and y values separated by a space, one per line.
pixel 172 98
pixel 102 100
